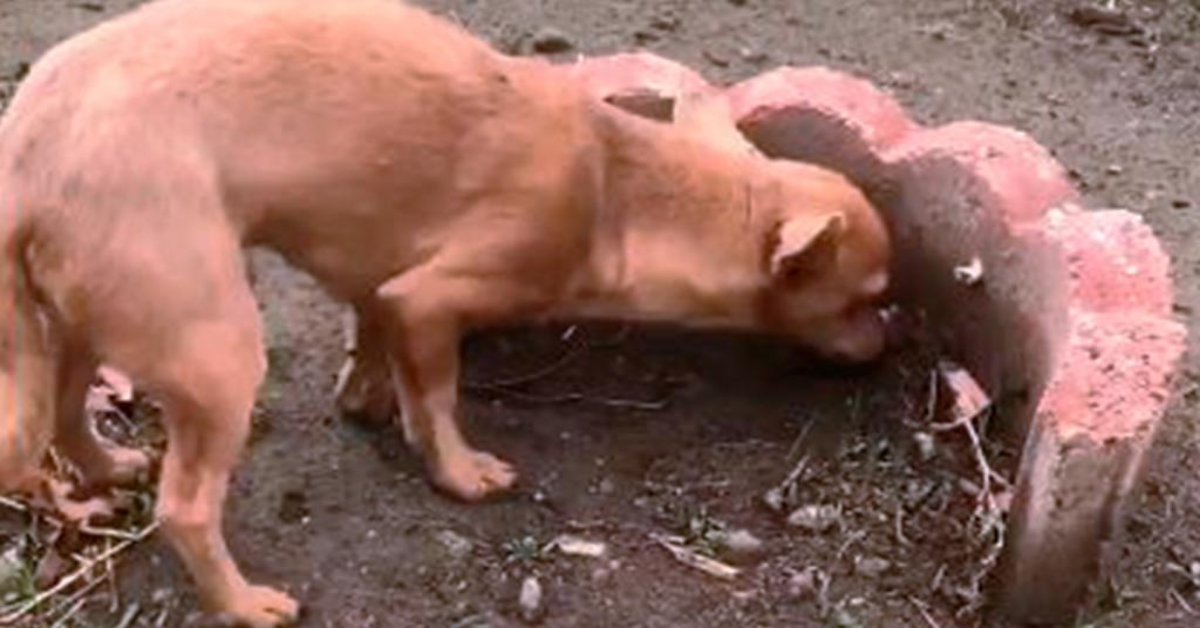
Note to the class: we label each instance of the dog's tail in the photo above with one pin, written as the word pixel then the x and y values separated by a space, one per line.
pixel 26 358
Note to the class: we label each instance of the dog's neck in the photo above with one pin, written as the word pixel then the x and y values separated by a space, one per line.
pixel 681 230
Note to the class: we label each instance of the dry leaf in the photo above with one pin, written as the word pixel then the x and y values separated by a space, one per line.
pixel 969 397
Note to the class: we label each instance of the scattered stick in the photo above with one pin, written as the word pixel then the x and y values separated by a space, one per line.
pixel 568 398
pixel 110 573
pixel 12 504
pixel 851 540
pixel 83 571
pixel 932 397
pixel 1187 608
pixel 62 621
pixel 131 614
pixel 795 448
pixel 900 538
pixel 694 560
pixel 107 533
pixel 536 374
pixel 75 599
pixel 923 609
pixel 937 579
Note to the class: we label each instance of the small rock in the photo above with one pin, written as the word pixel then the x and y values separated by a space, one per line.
pixel 455 544
pixel 816 518
pixel 805 585
pixel 716 58
pixel 530 600
pixel 574 546
pixel 606 487
pixel 1113 170
pixel 1104 20
pixel 666 22
pixel 902 80
pixel 161 595
pixel 483 620
pixel 745 596
pixel 926 448
pixel 773 499
pixel 601 574
pixel 550 40
pixel 12 569
pixel 871 566
pixel 739 545
pixel 1181 203
pixel 753 55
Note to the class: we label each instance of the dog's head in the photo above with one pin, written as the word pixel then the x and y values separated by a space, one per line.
pixel 826 248
pixel 826 259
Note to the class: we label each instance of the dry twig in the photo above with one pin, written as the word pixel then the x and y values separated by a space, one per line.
pixel 567 398
pixel 72 578
pixel 692 559
pixel 923 609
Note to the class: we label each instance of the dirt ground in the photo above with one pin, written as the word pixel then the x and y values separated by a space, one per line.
pixel 639 432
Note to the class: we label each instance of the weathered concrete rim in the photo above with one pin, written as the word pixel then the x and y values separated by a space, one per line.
pixel 1085 296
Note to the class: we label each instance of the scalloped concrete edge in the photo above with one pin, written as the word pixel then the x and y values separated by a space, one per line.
pixel 1070 331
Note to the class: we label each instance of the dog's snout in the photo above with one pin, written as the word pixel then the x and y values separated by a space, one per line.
pixel 863 337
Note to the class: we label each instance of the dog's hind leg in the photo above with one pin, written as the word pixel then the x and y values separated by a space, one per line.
pixel 183 323
pixel 26 376
pixel 364 386
pixel 101 462
pixel 26 388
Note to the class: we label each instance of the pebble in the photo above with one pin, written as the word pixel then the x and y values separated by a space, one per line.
pixel 871 566
pixel 805 584
pixel 530 600
pixel 925 445
pixel 740 545
pixel 550 40
pixel 814 517
pixel 455 544
pixel 773 499
pixel 12 568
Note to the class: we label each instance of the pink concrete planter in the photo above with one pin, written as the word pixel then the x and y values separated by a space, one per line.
pixel 1069 330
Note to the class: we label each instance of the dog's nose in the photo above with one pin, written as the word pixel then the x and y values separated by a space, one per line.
pixel 861 341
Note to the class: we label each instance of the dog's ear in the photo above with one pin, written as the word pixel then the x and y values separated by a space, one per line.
pixel 707 113
pixel 806 245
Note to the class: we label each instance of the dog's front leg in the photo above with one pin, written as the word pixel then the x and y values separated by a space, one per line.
pixel 427 312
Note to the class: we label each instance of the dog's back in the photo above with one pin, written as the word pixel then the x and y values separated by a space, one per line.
pixel 345 122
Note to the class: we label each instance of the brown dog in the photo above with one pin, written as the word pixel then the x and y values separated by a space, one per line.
pixel 432 183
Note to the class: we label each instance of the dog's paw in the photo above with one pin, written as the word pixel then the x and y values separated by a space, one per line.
pixel 474 476
pixel 115 466
pixel 127 466
pixel 58 497
pixel 259 607
pixel 365 393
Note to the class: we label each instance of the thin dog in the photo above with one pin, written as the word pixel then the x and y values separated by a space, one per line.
pixel 434 184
